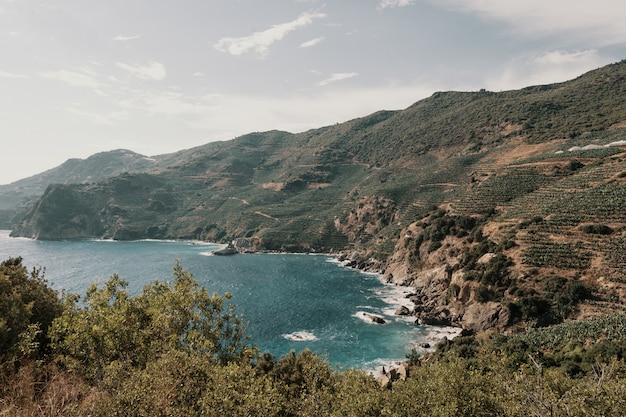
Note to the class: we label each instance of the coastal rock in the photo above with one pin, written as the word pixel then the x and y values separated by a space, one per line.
pixel 402 372
pixel 434 320
pixel 385 381
pixel 402 311
pixel 228 250
pixel 387 377
pixel 485 316
pixel 375 319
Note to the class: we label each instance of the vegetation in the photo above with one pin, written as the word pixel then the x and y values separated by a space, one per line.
pixel 499 191
pixel 175 350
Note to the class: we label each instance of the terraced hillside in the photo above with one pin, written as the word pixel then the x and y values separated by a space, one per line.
pixel 474 198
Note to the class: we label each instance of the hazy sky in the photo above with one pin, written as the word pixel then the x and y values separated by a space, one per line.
pixel 79 77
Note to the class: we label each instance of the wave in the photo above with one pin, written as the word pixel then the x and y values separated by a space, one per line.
pixel 434 335
pixel 300 336
pixel 376 366
pixel 367 317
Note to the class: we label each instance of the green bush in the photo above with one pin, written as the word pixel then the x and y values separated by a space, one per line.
pixel 112 333
pixel 597 229
pixel 27 308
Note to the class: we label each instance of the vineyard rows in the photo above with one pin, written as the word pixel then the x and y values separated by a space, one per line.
pixel 611 327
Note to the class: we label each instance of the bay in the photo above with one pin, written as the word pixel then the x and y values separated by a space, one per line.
pixel 290 302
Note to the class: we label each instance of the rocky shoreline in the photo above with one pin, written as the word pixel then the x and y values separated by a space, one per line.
pixel 433 303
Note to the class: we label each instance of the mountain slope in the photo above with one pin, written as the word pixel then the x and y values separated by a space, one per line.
pixel 15 197
pixel 499 208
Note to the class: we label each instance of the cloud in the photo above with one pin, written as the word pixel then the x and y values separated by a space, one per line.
pixel 4 74
pixel 169 103
pixel 123 38
pixel 152 71
pixel 337 77
pixel 544 68
pixel 300 112
pixel 259 42
pixel 312 42
pixel 394 3
pixel 600 21
pixel 109 119
pixel 81 78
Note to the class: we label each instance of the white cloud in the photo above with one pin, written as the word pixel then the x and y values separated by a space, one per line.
pixel 312 42
pixel 600 21
pixel 168 103
pixel 394 3
pixel 259 42
pixel 123 38
pixel 109 119
pixel 337 77
pixel 545 68
pixel 152 71
pixel 4 74
pixel 300 112
pixel 84 78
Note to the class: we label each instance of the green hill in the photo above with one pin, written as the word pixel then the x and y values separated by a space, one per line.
pixel 473 198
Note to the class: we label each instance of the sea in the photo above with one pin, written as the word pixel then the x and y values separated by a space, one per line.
pixel 289 301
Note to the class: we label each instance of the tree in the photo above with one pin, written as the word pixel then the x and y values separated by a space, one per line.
pixel 111 333
pixel 27 308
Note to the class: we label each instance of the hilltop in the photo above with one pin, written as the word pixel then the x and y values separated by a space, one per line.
pixel 501 209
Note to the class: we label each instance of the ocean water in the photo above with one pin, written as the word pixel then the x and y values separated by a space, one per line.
pixel 291 302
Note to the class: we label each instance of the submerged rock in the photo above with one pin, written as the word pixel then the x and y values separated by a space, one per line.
pixel 375 319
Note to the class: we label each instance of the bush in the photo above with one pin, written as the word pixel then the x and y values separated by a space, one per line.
pixel 597 229
pixel 27 308
pixel 112 333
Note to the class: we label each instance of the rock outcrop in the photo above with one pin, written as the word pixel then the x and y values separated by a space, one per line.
pixel 443 294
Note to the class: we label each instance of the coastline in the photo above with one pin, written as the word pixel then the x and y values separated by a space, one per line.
pixel 395 297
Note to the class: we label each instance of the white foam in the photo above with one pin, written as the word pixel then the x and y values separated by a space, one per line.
pixel 376 367
pixel 435 334
pixel 300 336
pixel 367 317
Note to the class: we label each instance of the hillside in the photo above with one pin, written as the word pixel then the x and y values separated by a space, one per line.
pixel 501 209
pixel 15 198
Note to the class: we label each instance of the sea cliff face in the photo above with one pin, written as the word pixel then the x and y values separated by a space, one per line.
pixel 442 293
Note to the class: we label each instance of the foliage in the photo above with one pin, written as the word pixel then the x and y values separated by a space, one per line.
pixel 436 226
pixel 113 332
pixel 598 229
pixel 167 361
pixel 27 308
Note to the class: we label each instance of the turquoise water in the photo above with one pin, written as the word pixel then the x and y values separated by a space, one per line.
pixel 290 301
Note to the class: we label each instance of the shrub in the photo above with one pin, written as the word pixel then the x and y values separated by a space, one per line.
pixel 597 229
pixel 27 308
pixel 112 333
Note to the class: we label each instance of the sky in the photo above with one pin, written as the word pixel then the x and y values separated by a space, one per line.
pixel 79 77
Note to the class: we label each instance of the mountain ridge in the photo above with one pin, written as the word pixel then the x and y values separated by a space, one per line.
pixel 475 199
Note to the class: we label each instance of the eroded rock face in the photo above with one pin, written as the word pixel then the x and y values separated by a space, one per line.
pixel 443 296
pixel 486 316
pixel 369 215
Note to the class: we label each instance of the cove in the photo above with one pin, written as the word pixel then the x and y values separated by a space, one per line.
pixel 290 302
